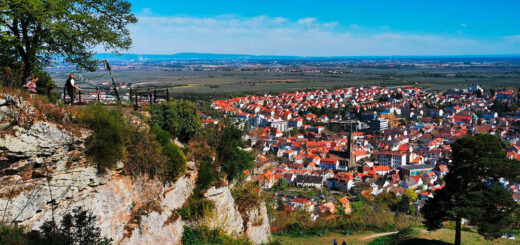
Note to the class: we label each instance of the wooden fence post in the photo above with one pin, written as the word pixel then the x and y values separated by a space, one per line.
pixel 154 96
pixel 79 101
pixel 167 95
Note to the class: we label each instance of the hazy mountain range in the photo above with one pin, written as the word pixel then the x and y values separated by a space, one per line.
pixel 223 57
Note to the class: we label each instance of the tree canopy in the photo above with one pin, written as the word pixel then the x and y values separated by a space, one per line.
pixel 233 160
pixel 180 118
pixel 473 190
pixel 38 33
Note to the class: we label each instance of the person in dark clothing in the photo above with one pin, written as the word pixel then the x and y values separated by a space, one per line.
pixel 335 242
pixel 344 243
pixel 70 86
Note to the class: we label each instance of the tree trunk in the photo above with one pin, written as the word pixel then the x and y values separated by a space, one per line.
pixel 458 222
pixel 28 67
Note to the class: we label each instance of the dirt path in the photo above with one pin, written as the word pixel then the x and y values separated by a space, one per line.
pixel 377 235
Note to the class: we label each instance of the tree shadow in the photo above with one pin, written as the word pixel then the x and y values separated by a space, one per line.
pixel 415 241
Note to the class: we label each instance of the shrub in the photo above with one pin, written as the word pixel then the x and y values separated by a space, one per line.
pixel 176 163
pixel 144 155
pixel 196 208
pixel 204 235
pixel 76 228
pixel 246 195
pixel 45 85
pixel 206 175
pixel 11 234
pixel 180 118
pixel 107 143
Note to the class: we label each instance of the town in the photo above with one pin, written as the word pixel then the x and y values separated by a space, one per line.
pixel 366 140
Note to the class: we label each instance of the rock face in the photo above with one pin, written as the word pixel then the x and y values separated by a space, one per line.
pixel 46 174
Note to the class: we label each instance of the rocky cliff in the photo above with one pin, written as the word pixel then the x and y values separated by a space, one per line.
pixel 45 174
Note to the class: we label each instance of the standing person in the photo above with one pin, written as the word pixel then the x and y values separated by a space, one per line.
pixel 31 84
pixel 335 242
pixel 344 243
pixel 69 85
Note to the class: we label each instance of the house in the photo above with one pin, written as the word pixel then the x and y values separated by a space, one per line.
pixel 392 159
pixel 312 181
pixel 303 204
pixel 329 163
pixel 416 170
pixel 411 182
pixel 341 182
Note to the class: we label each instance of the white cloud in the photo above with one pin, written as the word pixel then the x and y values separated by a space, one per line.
pixel 330 24
pixel 279 19
pixel 463 25
pixel 513 38
pixel 308 20
pixel 354 26
pixel 306 37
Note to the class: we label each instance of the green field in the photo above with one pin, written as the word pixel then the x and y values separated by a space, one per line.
pixel 442 236
pixel 226 82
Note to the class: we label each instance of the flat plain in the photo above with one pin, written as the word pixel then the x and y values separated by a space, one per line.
pixel 260 82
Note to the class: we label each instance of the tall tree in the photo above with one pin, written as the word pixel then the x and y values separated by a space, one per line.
pixel 37 32
pixel 473 190
pixel 233 160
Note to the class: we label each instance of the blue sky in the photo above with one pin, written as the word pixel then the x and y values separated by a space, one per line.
pixel 327 28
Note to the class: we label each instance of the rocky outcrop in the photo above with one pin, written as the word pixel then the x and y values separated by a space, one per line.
pixel 225 214
pixel 46 174
pixel 227 217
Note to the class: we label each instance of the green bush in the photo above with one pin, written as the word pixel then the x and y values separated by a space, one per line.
pixel 108 141
pixel 45 85
pixel 203 235
pixel 11 234
pixel 206 175
pixel 76 228
pixel 176 163
pixel 246 196
pixel 195 208
pixel 144 155
pixel 180 118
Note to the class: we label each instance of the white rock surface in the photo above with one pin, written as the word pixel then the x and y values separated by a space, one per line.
pixel 37 149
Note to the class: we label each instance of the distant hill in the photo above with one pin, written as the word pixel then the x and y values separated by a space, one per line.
pixel 238 57
pixel 192 56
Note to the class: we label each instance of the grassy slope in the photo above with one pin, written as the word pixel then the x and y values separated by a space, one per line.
pixel 442 236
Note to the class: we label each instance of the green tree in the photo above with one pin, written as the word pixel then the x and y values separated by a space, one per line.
pixel 282 183
pixel 411 194
pixel 76 228
pixel 473 190
pixel 180 118
pixel 206 174
pixel 39 32
pixel 233 160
